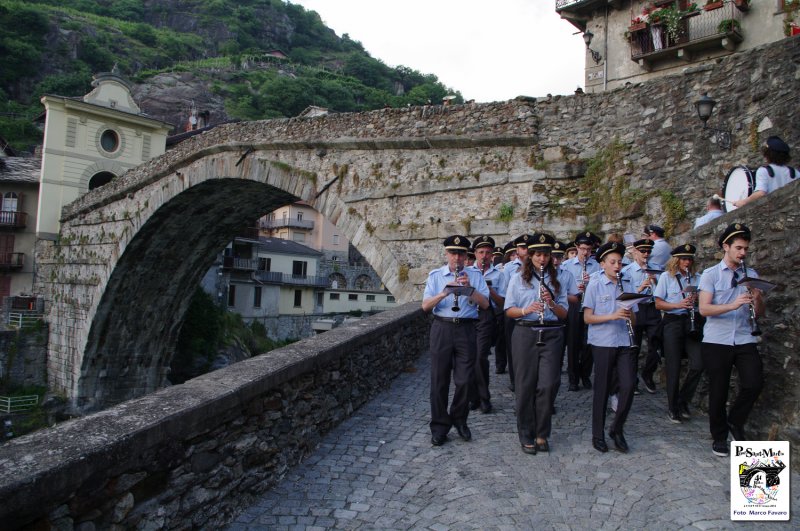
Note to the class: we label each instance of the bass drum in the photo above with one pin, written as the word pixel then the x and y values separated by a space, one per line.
pixel 739 183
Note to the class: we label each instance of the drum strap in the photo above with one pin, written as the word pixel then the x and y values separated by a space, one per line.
pixel 771 172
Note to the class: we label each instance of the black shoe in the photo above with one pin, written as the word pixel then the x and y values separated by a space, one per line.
pixel 463 432
pixel 574 387
pixel 720 448
pixel 543 446
pixel 511 387
pixel 683 409
pixel 587 383
pixel 529 449
pixel 599 445
pixel 500 370
pixel 636 391
pixel 619 441
pixel 649 384
pixel 553 410
pixel 438 440
pixel 486 407
pixel 737 432
pixel 674 416
pixel 474 405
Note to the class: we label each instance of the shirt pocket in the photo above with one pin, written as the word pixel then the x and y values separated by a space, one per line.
pixel 605 304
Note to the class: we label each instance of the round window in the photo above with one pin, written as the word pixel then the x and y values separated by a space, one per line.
pixel 109 140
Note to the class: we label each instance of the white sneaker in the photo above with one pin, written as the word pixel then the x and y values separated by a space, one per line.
pixel 614 403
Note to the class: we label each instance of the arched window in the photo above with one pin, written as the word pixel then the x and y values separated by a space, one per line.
pixel 363 282
pixel 337 281
pixel 99 179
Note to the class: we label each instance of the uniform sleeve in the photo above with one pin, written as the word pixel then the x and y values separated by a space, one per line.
pixel 661 286
pixel 502 285
pixel 430 287
pixel 762 180
pixel 706 282
pixel 589 295
pixel 511 292
pixel 561 300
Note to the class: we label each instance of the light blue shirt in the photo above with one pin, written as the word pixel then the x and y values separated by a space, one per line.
pixel 708 217
pixel 765 183
pixel 519 294
pixel 567 279
pixel 729 328
pixel 601 296
pixel 511 269
pixel 439 278
pixel 574 266
pixel 668 290
pixel 635 274
pixel 498 280
pixel 660 254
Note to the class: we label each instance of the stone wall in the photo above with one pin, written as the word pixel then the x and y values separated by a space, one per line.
pixel 193 455
pixel 23 355
pixel 775 254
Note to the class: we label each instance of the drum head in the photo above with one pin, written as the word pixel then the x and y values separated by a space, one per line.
pixel 738 184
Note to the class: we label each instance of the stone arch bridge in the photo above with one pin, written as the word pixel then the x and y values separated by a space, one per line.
pixel 395 181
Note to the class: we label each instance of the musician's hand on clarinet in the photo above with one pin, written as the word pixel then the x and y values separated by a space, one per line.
pixel 688 302
pixel 623 313
pixel 547 299
pixel 463 280
pixel 743 300
pixel 535 307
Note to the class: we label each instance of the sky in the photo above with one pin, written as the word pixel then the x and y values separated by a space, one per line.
pixel 489 51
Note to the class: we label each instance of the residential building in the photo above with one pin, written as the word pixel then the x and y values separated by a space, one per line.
pixel 300 223
pixel 629 41
pixel 90 140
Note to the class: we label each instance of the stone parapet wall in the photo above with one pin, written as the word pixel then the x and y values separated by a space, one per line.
pixel 775 255
pixel 193 455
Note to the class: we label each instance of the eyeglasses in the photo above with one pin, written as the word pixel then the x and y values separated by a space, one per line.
pixel 644 251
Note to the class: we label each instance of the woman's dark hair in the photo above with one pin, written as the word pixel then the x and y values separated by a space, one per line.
pixel 781 158
pixel 528 270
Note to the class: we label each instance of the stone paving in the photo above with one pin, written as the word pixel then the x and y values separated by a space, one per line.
pixel 378 470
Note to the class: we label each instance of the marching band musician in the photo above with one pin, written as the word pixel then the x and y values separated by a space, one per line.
pixel 487 327
pixel 728 339
pixel 648 318
pixel 566 279
pixel 579 356
pixel 611 341
pixel 511 269
pixel 453 342
pixel 502 349
pixel 680 322
pixel 538 302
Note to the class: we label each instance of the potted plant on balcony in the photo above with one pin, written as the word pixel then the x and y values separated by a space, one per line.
pixel 728 25
pixel 637 24
pixel 712 5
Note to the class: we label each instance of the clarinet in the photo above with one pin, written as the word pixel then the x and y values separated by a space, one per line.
pixel 754 329
pixel 583 293
pixel 540 341
pixel 631 340
pixel 692 328
pixel 455 307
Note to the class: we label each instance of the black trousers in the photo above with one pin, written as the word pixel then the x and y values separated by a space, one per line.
pixel 508 328
pixel 647 325
pixel 537 371
pixel 500 357
pixel 718 361
pixel 579 355
pixel 677 343
pixel 618 363
pixel 485 331
pixel 453 348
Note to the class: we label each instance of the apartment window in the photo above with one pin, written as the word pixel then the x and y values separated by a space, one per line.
pixel 389 298
pixel 334 296
pixel 298 298
pixel 320 298
pixel 298 237
pixel 370 298
pixel 299 216
pixel 232 295
pixel 10 201
pixel 265 264
pixel 352 296
pixel 299 268
pixel 336 239
pixel 257 297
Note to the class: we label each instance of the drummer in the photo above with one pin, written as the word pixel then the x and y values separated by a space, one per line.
pixel 776 174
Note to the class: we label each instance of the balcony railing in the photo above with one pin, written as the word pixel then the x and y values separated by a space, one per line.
pixel 287 222
pixel 13 219
pixel 12 260
pixel 274 277
pixel 244 264
pixel 698 31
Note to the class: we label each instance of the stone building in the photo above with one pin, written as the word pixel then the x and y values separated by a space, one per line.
pixel 90 140
pixel 629 41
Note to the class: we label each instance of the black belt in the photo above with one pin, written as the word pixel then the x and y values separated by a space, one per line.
pixel 537 324
pixel 671 317
pixel 455 320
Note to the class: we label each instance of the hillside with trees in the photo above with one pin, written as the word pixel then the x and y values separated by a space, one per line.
pixel 239 59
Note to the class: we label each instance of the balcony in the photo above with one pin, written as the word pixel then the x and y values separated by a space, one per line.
pixel 242 264
pixel 12 260
pixel 13 219
pixel 291 223
pixel 274 277
pixel 700 31
pixel 579 11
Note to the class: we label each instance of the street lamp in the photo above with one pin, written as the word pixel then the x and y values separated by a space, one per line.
pixel 587 38
pixel 705 106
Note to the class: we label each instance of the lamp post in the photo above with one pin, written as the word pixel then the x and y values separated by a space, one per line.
pixel 705 106
pixel 587 38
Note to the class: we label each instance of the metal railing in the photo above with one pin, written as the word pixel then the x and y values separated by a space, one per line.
pixel 24 319
pixel 294 280
pixel 287 222
pixel 12 260
pixel 16 404
pixel 245 264
pixel 12 218
pixel 696 29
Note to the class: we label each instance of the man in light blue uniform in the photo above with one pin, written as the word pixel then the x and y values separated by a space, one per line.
pixel 661 249
pixel 453 343
pixel 648 318
pixel 487 327
pixel 714 210
pixel 728 338
pixel 579 356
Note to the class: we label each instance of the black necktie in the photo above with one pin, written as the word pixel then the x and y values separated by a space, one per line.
pixel 735 279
